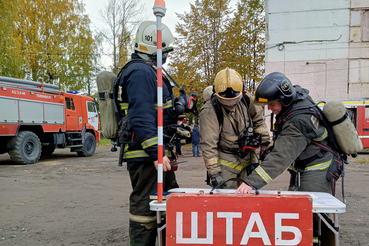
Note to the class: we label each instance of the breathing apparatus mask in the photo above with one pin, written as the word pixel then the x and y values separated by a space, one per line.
pixel 249 140
pixel 185 103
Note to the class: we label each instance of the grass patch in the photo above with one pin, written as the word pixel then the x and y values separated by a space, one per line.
pixel 104 142
pixel 363 161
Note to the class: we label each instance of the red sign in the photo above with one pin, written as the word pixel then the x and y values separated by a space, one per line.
pixel 229 219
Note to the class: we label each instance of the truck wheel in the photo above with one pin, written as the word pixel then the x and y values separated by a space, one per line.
pixel 89 145
pixel 47 150
pixel 27 148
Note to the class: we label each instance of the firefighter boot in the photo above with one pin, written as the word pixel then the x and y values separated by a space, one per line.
pixel 142 234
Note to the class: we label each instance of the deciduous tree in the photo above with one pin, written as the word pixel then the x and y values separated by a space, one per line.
pixel 121 18
pixel 10 60
pixel 56 43
pixel 197 57
pixel 245 42
pixel 213 36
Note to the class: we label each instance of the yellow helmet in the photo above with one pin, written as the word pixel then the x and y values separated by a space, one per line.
pixel 228 86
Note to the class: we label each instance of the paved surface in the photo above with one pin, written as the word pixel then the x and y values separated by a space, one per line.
pixel 68 200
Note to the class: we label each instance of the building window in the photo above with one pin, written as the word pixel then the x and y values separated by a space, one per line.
pixel 365 26
pixel 355 18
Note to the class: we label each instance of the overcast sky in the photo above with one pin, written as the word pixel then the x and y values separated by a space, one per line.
pixel 170 19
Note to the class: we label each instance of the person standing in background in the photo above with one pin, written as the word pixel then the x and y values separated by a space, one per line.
pixel 196 141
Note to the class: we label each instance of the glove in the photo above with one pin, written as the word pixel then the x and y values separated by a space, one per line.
pixel 216 180
pixel 183 132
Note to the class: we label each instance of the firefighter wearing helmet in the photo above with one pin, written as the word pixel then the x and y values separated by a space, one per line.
pixel 208 93
pixel 227 122
pixel 294 137
pixel 137 82
pixel 300 139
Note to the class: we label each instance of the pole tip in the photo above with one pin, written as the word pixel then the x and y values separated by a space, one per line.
pixel 159 3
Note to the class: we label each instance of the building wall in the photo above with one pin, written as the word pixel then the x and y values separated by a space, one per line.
pixel 320 45
pixel 307 30
pixel 324 78
pixel 359 49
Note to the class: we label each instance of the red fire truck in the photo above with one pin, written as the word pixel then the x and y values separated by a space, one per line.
pixel 359 113
pixel 36 118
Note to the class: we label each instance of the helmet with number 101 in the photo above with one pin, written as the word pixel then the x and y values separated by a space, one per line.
pixel 146 39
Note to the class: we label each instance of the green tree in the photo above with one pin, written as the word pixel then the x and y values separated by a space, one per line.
pixel 121 18
pixel 56 43
pixel 212 36
pixel 10 61
pixel 197 57
pixel 245 42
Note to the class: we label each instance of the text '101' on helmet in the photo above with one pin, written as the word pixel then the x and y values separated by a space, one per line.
pixel 275 87
pixel 228 86
pixel 146 38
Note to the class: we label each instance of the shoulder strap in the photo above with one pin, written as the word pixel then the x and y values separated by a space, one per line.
pixel 116 89
pixel 246 101
pixel 165 79
pixel 129 63
pixel 317 112
pixel 218 110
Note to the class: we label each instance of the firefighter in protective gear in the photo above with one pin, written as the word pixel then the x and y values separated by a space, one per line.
pixel 139 101
pixel 300 140
pixel 294 139
pixel 219 142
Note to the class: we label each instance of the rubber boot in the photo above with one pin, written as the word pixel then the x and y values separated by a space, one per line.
pixel 142 234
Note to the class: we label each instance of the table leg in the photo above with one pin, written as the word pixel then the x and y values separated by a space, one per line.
pixel 336 227
pixel 160 234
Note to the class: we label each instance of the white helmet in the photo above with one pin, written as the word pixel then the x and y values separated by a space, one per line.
pixel 208 93
pixel 146 37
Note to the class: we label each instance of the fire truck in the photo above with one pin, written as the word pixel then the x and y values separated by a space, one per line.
pixel 36 118
pixel 359 113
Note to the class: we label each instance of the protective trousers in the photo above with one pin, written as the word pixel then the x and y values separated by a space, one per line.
pixel 228 173
pixel 314 181
pixel 143 229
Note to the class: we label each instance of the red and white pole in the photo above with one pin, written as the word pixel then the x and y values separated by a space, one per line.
pixel 159 12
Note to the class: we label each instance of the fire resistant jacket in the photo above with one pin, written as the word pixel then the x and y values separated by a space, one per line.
pixel 211 133
pixel 139 95
pixel 293 146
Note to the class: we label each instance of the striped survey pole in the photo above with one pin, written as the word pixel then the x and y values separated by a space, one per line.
pixel 159 12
